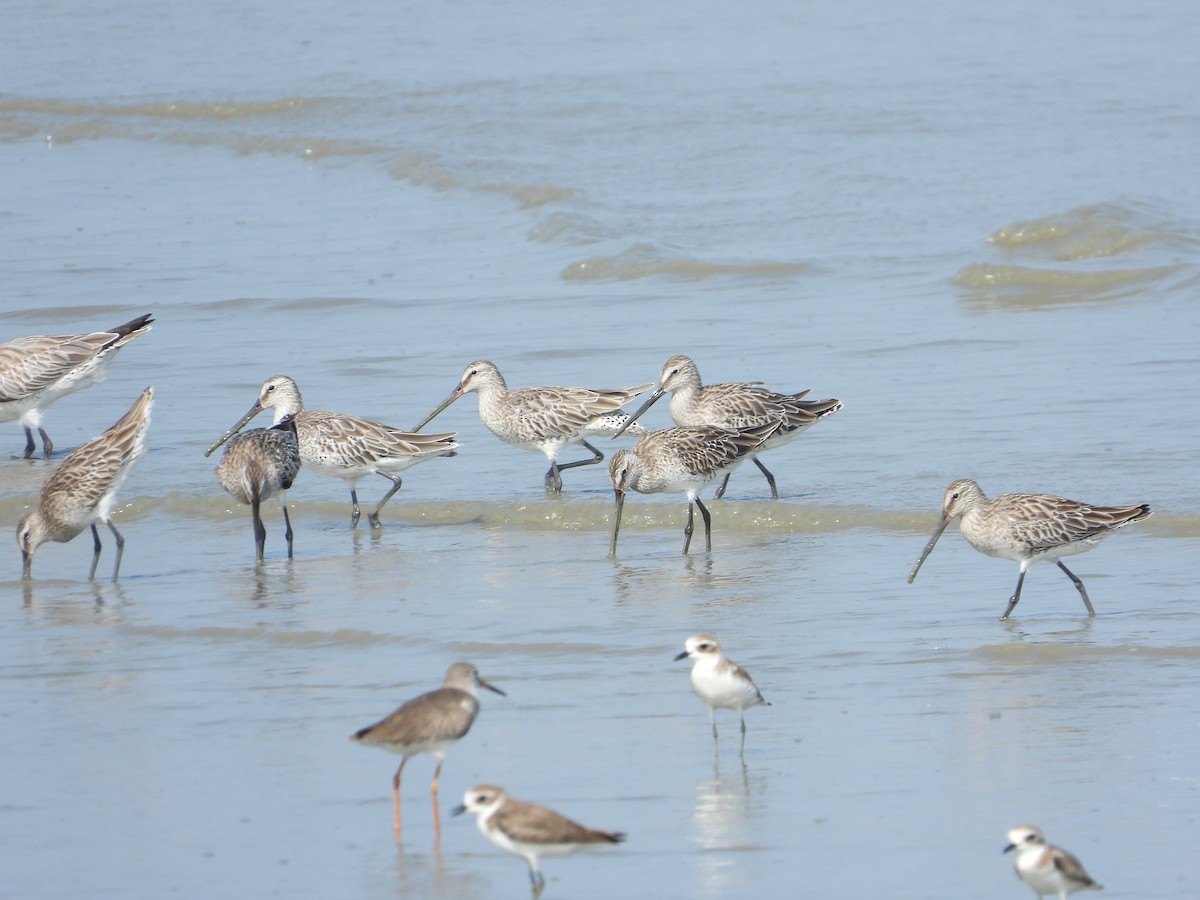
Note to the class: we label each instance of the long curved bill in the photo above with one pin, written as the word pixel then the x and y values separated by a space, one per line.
pixel 612 547
pixel 658 392
pixel 254 411
pixel 937 533
pixel 454 395
pixel 26 565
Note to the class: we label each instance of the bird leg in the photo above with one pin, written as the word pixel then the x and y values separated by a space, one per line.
pixel 742 752
pixel 287 523
pixel 433 789
pixel 1012 602
pixel 770 479
pixel 260 530
pixel 396 794
pixel 687 531
pixel 373 518
pixel 120 547
pixel 554 480
pixel 707 525
pixel 30 446
pixel 1079 586
pixel 95 552
pixel 724 484
pixel 355 512
pixel 47 444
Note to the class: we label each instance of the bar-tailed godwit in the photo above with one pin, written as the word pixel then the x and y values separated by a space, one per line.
pixel 1028 528
pixel 738 405
pixel 545 419
pixel 82 490
pixel 35 371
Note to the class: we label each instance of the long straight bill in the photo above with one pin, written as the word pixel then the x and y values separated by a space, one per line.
pixel 645 406
pixel 454 395
pixel 254 411
pixel 612 547
pixel 937 533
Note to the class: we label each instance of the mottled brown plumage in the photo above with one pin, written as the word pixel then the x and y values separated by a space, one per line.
pixel 739 405
pixel 35 371
pixel 1028 528
pixel 82 490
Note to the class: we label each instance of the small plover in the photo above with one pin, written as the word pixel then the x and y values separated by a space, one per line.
pixel 1047 869
pixel 720 683
pixel 527 830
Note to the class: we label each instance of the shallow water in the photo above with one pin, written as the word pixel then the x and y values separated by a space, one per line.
pixel 977 229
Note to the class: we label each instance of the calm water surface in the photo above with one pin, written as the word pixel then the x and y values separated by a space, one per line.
pixel 976 228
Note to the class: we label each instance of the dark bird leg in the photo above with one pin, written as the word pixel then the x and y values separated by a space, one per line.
pixel 95 552
pixel 770 479
pixel 287 524
pixel 120 547
pixel 1079 587
pixel 260 530
pixel 47 444
pixel 742 752
pixel 1016 595
pixel 721 490
pixel 707 525
pixel 355 512
pixel 687 531
pixel 555 468
pixel 30 446
pixel 373 518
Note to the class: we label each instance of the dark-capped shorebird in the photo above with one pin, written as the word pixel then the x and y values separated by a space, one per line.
pixel 259 464
pixel 1028 528
pixel 82 490
pixel 528 830
pixel 431 723
pixel 348 447
pixel 545 419
pixel 681 460
pixel 738 405
pixel 1045 868
pixel 719 682
pixel 37 370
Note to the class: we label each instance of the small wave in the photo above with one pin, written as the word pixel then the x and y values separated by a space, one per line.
pixel 217 111
pixel 643 262
pixel 1003 285
pixel 1089 232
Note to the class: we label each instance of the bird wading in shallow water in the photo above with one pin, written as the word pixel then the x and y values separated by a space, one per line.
pixel 82 490
pixel 545 419
pixel 259 464
pixel 738 405
pixel 528 830
pixel 682 461
pixel 1028 528
pixel 431 723
pixel 348 447
pixel 720 683
pixel 35 371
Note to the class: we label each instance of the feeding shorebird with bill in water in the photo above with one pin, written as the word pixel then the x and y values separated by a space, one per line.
pixel 431 723
pixel 544 419
pixel 528 830
pixel 738 405
pixel 82 490
pixel 35 371
pixel 680 460
pixel 1028 528
pixel 338 445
